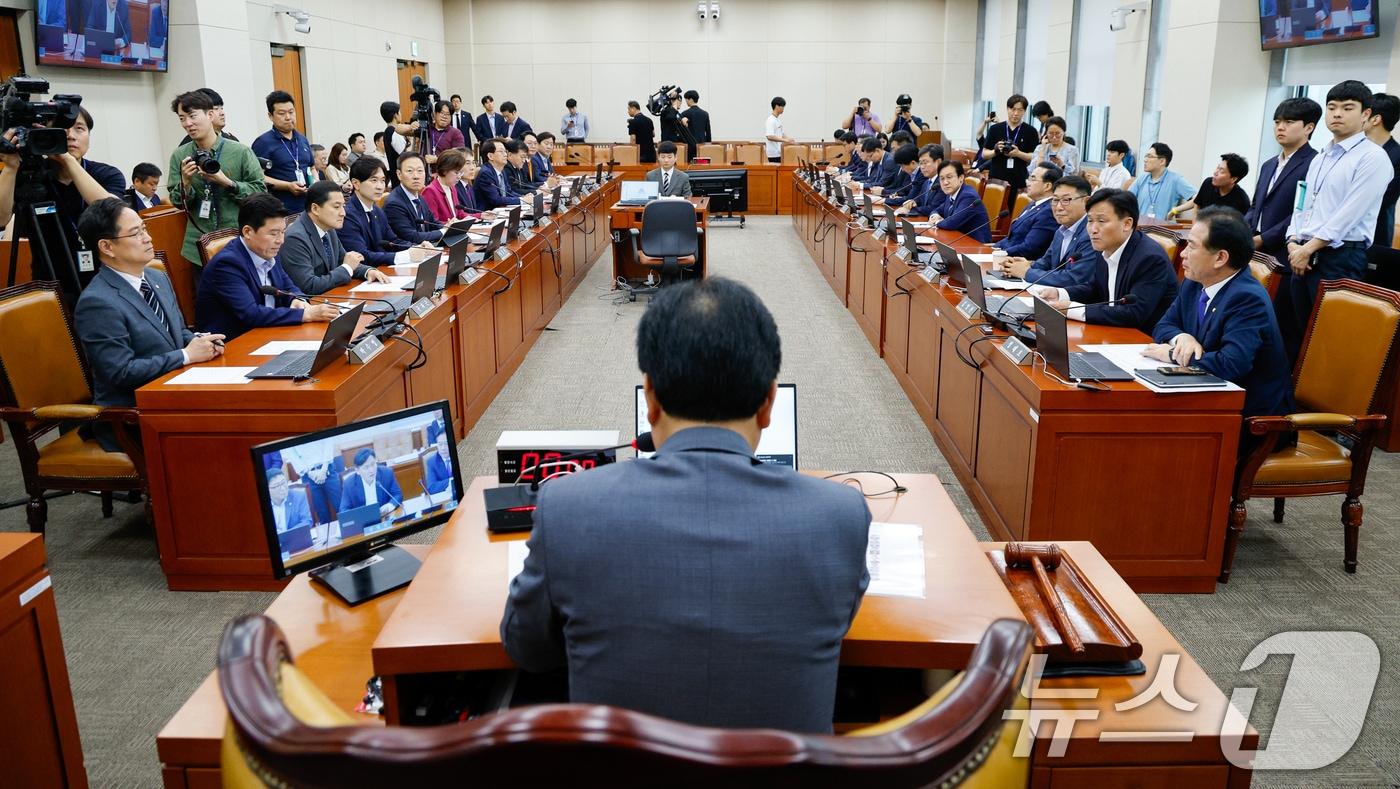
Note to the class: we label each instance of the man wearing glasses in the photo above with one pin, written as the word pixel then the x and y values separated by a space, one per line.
pixel 1069 260
pixel 127 318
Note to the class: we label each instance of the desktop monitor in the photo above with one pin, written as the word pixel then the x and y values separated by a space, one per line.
pixel 334 500
pixel 1306 22
pixel 778 442
pixel 136 38
pixel 728 190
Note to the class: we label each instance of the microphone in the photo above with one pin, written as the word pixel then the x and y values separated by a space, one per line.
pixel 1005 212
pixel 1127 298
pixel 380 485
pixel 383 328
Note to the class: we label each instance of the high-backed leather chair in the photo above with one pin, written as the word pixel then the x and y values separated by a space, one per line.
pixel 836 154
pixel 578 153
pixel 44 386
pixel 791 153
pixel 1267 270
pixel 1348 360
pixel 184 289
pixel 994 199
pixel 1170 242
pixel 556 156
pixel 710 150
pixel 628 153
pixel 282 731
pixel 212 243
pixel 975 182
pixel 747 153
pixel 1023 201
pixel 668 240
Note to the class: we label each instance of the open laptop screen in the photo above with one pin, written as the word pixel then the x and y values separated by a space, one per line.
pixel 640 190
pixel 777 444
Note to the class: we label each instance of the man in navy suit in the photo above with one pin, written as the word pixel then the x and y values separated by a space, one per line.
pixel 957 205
pixel 925 180
pixel 752 572
pixel 230 300
pixel 1070 258
pixel 1032 231
pixel 366 230
pixel 370 484
pixel 489 124
pixel 1129 267
pixel 516 127
pixel 438 467
pixel 113 16
pixel 408 215
pixel 127 318
pixel 492 187
pixel 906 161
pixel 289 511
pixel 880 167
pixel 1222 320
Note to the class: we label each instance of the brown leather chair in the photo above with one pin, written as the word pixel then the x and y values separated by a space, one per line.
pixel 578 153
pixel 212 243
pixel 179 280
pixel 836 154
pixel 1170 242
pixel 710 150
pixel 1348 360
pixel 791 153
pixel 44 386
pixel 747 153
pixel 1267 270
pixel 282 731
pixel 626 154
pixel 556 157
pixel 1022 203
pixel 994 196
pixel 976 183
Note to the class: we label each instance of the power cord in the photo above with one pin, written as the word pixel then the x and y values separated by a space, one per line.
pixel 855 483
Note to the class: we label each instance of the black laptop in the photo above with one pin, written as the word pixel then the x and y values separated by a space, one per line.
pixel 993 307
pixel 910 239
pixel 868 210
pixel 891 227
pixel 456 263
pixel 554 204
pixel 598 177
pixel 303 364
pixel 513 224
pixel 949 263
pixel 537 209
pixel 423 287
pixel 498 233
pixel 1052 340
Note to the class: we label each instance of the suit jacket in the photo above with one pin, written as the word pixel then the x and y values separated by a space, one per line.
pixel 1080 253
pixel 404 221
pixel 126 345
pixel 134 200
pixel 436 199
pixel 879 173
pixel 718 598
pixel 965 212
pixel 158 28
pixel 369 234
pixel 699 125
pixel 517 130
pixel 898 181
pixel 542 166
pixel 489 192
pixel 298 511
pixel 1241 339
pixel 352 490
pixel 121 27
pixel 910 189
pixel 680 182
pixel 439 475
pixel 1144 271
pixel 303 257
pixel 465 124
pixel 1272 210
pixel 490 126
pixel 927 198
pixel 518 181
pixel 1031 232
pixel 230 299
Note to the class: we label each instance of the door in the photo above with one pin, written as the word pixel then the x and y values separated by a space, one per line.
pixel 407 71
pixel 9 44
pixel 286 75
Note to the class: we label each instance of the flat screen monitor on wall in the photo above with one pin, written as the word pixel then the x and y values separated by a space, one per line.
pixel 121 35
pixel 1301 23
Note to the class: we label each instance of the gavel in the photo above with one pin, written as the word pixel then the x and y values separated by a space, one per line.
pixel 1040 558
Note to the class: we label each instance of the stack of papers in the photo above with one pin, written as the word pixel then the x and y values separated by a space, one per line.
pixel 281 346
pixel 895 558
pixel 997 283
pixel 516 551
pixel 212 376
pixel 394 285
pixel 1128 356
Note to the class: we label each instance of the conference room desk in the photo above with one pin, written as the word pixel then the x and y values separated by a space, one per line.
pixel 197 438
pixel 1144 476
pixel 623 218
pixel 763 179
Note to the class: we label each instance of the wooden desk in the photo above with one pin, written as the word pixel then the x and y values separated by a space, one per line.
pixel 1029 450
pixel 330 642
pixel 39 731
pixel 623 218
pixel 209 527
pixel 450 619
pixel 767 182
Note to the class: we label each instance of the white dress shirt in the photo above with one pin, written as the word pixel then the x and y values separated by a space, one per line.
pixel 371 488
pixel 279 516
pixel 264 269
pixel 1345 184
pixel 1076 310
pixel 1114 176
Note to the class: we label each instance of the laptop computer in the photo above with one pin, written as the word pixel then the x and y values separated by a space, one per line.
pixel 537 209
pixel 423 286
pixel 513 223
pixel 498 234
pixel 868 210
pixel 909 237
pixel 554 199
pixel 778 442
pixel 302 364
pixel 296 540
pixel 99 42
pixel 598 176
pixel 456 264
pixel 49 40
pixel 993 307
pixel 639 192
pixel 949 263
pixel 1052 340
pixel 354 522
pixel 891 227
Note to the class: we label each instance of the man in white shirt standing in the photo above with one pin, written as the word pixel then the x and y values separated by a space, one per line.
pixel 773 131
pixel 1115 175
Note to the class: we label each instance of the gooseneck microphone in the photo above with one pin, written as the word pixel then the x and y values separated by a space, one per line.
pixel 1126 298
pixel 270 290
pixel 642 443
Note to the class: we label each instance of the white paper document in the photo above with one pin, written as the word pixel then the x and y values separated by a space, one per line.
pixel 394 285
pixel 1128 356
pixel 516 551
pixel 980 258
pixel 209 376
pixel 997 283
pixel 281 346
pixel 895 558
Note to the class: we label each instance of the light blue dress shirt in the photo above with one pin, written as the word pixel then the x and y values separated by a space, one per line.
pixel 1156 198
pixel 1345 184
pixel 264 268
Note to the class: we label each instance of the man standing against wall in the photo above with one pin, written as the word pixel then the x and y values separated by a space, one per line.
pixel 773 130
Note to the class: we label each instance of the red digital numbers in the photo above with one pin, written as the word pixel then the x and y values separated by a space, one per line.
pixel 535 464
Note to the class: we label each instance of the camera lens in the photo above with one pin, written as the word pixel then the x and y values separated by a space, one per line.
pixel 206 162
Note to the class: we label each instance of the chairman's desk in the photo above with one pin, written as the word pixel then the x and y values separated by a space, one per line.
pixel 623 218
pixel 197 438
pixel 1144 477
pixel 448 619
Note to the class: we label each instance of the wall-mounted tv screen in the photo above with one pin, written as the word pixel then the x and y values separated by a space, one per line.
pixel 1301 23
pixel 130 35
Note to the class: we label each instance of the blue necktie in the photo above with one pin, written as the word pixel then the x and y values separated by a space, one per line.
pixel 326 246
pixel 1201 311
pixel 149 294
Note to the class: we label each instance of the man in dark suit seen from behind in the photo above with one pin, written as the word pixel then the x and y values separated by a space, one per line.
pixel 697 121
pixel 145 180
pixel 700 585
pixel 1131 271
pixel 312 254
pixel 1222 319
pixel 127 318
pixel 641 132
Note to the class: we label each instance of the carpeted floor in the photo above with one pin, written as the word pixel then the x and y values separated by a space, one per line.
pixel 136 651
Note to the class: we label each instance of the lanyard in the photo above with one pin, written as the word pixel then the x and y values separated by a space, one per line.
pixel 1314 191
pixel 294 151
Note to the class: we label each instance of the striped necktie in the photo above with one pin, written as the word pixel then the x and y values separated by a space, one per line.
pixel 149 294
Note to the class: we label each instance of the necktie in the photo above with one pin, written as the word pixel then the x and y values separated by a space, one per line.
pixel 417 209
pixel 665 182
pixel 149 294
pixel 326 247
pixel 1201 311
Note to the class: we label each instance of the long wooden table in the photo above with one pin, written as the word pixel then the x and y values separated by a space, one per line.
pixel 197 438
pixel 1143 476
pixel 448 620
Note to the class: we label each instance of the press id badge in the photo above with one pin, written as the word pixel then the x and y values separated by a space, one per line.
pixel 206 207
pixel 1300 197
pixel 85 263
pixel 310 176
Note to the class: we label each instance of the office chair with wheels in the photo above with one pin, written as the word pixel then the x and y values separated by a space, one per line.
pixel 668 239
pixel 282 731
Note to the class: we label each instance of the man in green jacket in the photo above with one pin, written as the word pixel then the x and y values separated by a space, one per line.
pixel 210 200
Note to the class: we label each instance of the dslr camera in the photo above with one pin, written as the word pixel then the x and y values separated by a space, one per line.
pixel 19 113
pixel 903 103
pixel 205 161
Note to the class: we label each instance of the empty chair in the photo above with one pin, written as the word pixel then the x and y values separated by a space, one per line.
pixel 668 239
pixel 710 150
pixel 628 153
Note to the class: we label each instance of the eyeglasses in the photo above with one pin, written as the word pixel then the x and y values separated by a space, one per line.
pixel 1066 200
pixel 141 230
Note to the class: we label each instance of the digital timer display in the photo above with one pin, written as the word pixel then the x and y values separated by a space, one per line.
pixel 538 465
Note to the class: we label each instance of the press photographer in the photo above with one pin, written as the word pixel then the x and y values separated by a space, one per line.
pixel 904 117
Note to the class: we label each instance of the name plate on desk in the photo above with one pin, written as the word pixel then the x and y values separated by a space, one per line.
pixel 502 253
pixel 422 307
pixel 879 234
pixel 928 274
pixel 365 349
pixel 471 275
pixel 546 221
pixel 902 253
pixel 968 309
pixel 526 233
pixel 1016 351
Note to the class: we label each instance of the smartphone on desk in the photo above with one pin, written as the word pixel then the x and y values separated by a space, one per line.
pixel 1182 371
